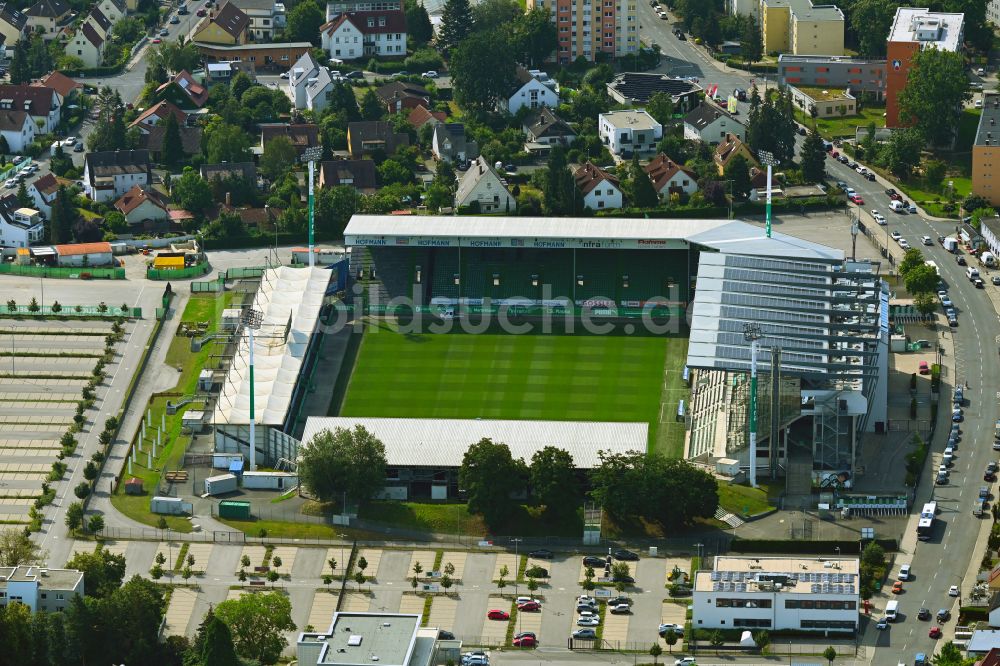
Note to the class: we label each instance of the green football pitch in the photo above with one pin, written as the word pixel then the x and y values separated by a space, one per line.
pixel 500 376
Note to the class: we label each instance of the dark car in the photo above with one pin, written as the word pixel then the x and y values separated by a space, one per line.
pixel 627 555
pixel 924 614
pixel 446 635
pixel 892 193
pixel 870 176
pixel 78 148
pixel 624 579
pixel 354 75
pixel 802 130
pixel 960 260
pixel 943 615
pixel 680 36
pixel 542 554
pixel 593 561
pixel 619 600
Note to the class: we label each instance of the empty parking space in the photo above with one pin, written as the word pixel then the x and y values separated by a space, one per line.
pixel 443 613
pixel 235 594
pixel 426 560
pixel 508 560
pixel 615 627
pixel 355 602
pixel 170 550
pixel 115 547
pixel 338 555
pixel 373 556
pixel 255 554
pixel 287 556
pixel 81 547
pixel 178 614
pixel 323 607
pixel 200 552
pixel 411 603
pixel 457 560
pixel 495 631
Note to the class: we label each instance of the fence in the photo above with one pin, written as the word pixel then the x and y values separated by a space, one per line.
pixel 206 286
pixel 180 273
pixel 74 273
pixel 69 311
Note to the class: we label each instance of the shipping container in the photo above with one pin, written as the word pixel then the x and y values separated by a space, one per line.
pixel 224 460
pixel 171 506
pixel 270 480
pixel 234 510
pixel 221 484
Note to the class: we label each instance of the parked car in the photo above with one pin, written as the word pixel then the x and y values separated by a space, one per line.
pixel 584 634
pixel 582 607
pixel 943 615
pixel 620 609
pixel 619 600
pixel 960 260
pixel 903 243
pixel 525 641
pixel 882 624
pixel 174 20
pixel 870 176
pixel 529 607
pixel 857 199
pixel 594 561
pixel 953 591
pixel 685 661
pixel 895 235
pixel 676 628
pixel 200 12
pixel 356 74
pixel 892 193
pixel 497 614
pixel 924 368
pixel 926 240
pixel 588 619
pixel 626 555
pixel 628 580
pixel 897 587
pixel 164 32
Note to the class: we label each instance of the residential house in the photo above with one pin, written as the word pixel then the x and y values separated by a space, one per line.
pixel 319 91
pixel 20 228
pixel 43 192
pixel 12 24
pixel 637 88
pixel 304 69
pixel 450 144
pixel 183 91
pixel 101 23
pixel 399 95
pixel 801 27
pixel 258 218
pixel 260 55
pixel 368 136
pixel 143 205
pixel 420 116
pixel 730 148
pixel 668 177
pixel 986 151
pixel 482 188
pixel 544 127
pixel 151 138
pixel 302 135
pixel 365 33
pixel 225 170
pixel 49 15
pixel 628 132
pixel 529 92
pixel 600 190
pixel 38 588
pixel 42 104
pixel 88 45
pixel 227 27
pixel 157 114
pixel 114 10
pixel 710 124
pixel 64 86
pixel 84 254
pixel 359 174
pixel 107 175
pixel 16 128
pixel 264 15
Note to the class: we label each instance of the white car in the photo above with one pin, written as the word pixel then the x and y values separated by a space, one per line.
pixel 70 140
pixel 685 661
pixel 953 591
pixel 979 103
pixel 10 182
pixel 588 620
pixel 926 240
pixel 903 243
pixel 850 192
pixel 878 217
pixel 283 75
pixel 904 572
pixel 896 235
pixel 430 74
pixel 584 599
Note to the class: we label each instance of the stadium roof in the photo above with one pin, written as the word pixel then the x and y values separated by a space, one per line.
pixel 579 232
pixel 443 442
pixel 290 300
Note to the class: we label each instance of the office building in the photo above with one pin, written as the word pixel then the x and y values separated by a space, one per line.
pixel 856 74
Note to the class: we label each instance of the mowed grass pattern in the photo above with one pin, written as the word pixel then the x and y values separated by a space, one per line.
pixel 542 377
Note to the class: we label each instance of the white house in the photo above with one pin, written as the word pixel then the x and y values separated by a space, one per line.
pixel 43 192
pixel 599 188
pixel 38 588
pixel 449 143
pixel 84 254
pixel 668 177
pixel 17 128
pixel 710 124
pixel 265 16
pixel 139 205
pixel 304 69
pixel 21 228
pixel 110 174
pixel 319 90
pixel 777 593
pixel 364 34
pixel 630 131
pixel 529 92
pixel 342 39
pixel 114 10
pixel 87 45
pixel 482 186
pixel 43 104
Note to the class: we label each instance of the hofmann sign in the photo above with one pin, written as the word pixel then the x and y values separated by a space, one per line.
pixel 540 243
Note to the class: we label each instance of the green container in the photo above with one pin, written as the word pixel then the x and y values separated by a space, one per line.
pixel 234 510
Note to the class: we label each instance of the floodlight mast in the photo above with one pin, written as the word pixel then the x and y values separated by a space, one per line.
pixel 752 332
pixel 252 319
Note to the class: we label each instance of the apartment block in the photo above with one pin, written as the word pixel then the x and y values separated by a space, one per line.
pixel 856 74
pixel 993 12
pixel 38 588
pixel 588 27
pixel 913 29
pixel 801 28
pixel 986 151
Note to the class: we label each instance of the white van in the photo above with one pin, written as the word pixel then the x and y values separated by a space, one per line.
pixel 971 272
pixel 892 610
pixel 897 207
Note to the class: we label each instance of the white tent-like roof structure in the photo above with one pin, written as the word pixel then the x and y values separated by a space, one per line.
pixel 443 442
pixel 290 300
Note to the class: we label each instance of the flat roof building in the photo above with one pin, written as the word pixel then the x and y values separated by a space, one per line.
pixel 986 151
pixel 801 27
pixel 363 639
pixel 844 72
pixel 916 28
pixel 39 588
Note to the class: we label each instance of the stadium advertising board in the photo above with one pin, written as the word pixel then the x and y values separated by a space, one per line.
pixel 538 243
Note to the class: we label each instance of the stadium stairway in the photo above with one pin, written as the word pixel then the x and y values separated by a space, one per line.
pixel 730 519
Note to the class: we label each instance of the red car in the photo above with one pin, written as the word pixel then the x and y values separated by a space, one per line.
pixel 856 199
pixel 924 368
pixel 496 614
pixel 200 12
pixel 530 606
pixel 834 154
pixel 525 641
pixel 157 40
pixel 935 632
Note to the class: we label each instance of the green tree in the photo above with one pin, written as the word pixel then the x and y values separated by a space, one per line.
pixel 17 548
pixel 901 153
pixel 103 571
pixel 489 474
pixel 95 524
pixel 830 654
pixel 813 157
pixel 371 107
pixel 191 191
pixel 490 16
pixel 62 218
pixel 304 20
pixel 643 193
pixel 226 143
pixel 20 70
pixel 90 471
pixel 925 302
pixel 74 516
pixel 279 157
pixel 763 640
pixel 335 206
pixel 935 92
pixel 670 638
pixel 109 127
pixel 258 622
pixel 553 480
pixel 532 36
pixel 173 151
pixel 240 84
pixel 655 651
pixel 949 655
pixel 419 30
pixel 559 187
pixel 751 46
pixel 934 171
pixel 343 461
pixel 217 643
pixel 871 21
pixel 23 198
pixel 482 70
pixel 771 126
pixel 661 107
pixel 717 640
pixel 738 170
pixel 921 279
pixel 456 24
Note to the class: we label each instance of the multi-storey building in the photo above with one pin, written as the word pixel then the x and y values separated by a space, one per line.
pixel 986 151
pixel 801 28
pixel 589 27
pixel 914 29
pixel 857 74
pixel 38 588
pixel 993 12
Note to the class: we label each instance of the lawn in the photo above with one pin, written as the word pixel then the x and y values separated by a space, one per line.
pixel 455 519
pixel 744 500
pixel 844 126
pixel 500 376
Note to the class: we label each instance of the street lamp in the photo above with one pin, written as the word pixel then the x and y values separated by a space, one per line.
pixel 752 333
pixel 517 563
pixel 311 155
pixel 767 157
pixel 252 319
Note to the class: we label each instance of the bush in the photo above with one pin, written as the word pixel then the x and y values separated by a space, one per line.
pixel 422 61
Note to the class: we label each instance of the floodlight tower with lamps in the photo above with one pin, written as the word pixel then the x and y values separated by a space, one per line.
pixel 310 156
pixel 752 332
pixel 767 157
pixel 252 319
